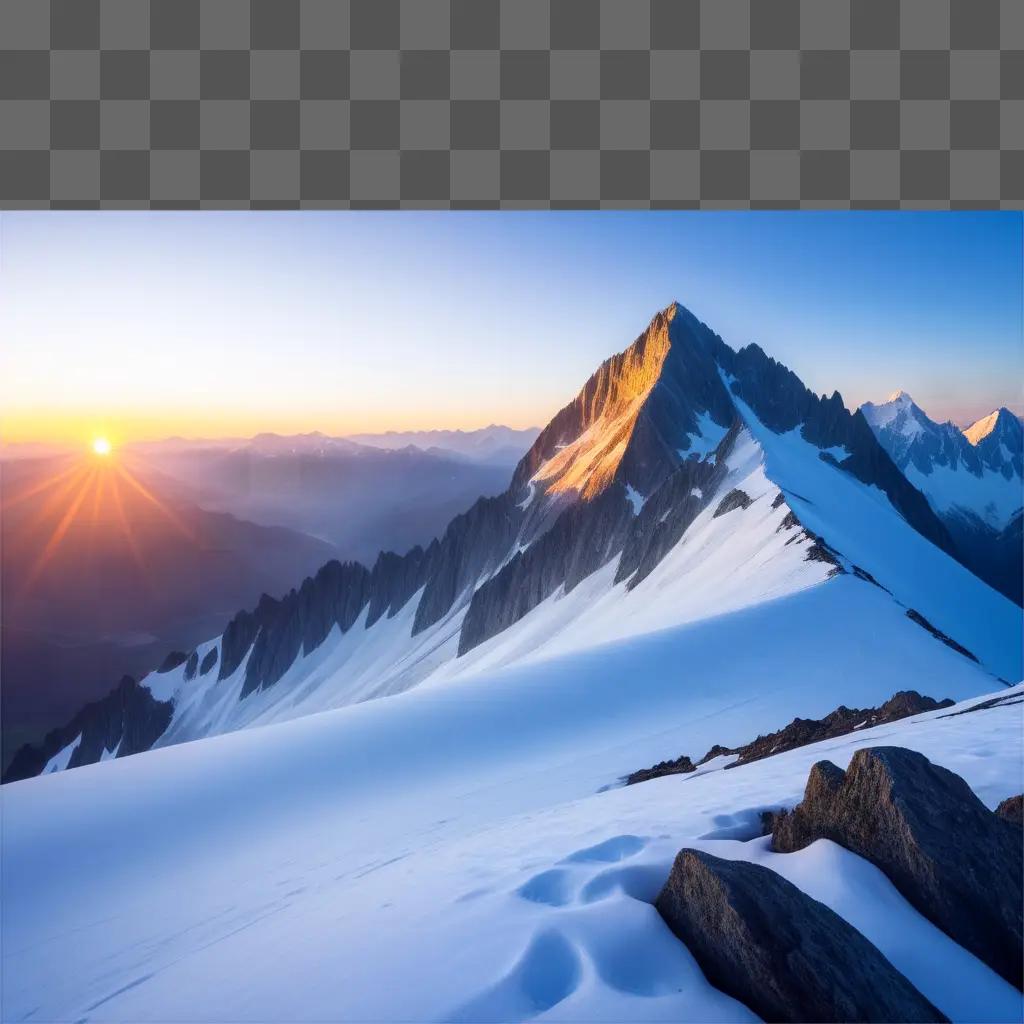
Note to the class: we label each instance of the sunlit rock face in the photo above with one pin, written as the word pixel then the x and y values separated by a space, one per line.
pixel 634 420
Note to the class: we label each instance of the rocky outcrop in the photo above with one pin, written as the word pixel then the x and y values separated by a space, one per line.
pixel 1012 810
pixel 129 720
pixel 803 731
pixel 782 403
pixel 583 538
pixel 172 661
pixel 668 513
pixel 473 546
pixel 209 660
pixel 733 500
pixel 761 940
pixel 958 863
pixel 680 766
pixel 191 667
pixel 917 617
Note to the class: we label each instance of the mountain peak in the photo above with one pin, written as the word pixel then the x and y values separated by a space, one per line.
pixel 1000 418
pixel 900 396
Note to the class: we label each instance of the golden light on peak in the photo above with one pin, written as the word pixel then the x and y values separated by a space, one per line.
pixel 101 446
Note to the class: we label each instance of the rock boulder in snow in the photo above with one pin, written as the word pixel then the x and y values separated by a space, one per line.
pixel 788 957
pixel 958 863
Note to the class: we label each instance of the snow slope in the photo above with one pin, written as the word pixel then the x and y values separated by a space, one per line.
pixel 445 854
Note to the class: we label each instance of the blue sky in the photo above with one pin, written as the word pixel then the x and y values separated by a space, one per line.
pixel 148 324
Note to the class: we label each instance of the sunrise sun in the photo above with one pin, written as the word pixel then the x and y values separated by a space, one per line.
pixel 101 446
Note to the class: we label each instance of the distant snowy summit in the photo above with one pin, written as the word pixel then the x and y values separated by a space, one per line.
pixel 972 478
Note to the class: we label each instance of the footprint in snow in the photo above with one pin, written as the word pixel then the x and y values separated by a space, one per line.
pixel 548 972
pixel 549 887
pixel 611 850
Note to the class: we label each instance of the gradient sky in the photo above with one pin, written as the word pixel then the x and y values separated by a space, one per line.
pixel 143 325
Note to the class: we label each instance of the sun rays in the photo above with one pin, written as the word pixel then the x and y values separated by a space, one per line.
pixel 85 493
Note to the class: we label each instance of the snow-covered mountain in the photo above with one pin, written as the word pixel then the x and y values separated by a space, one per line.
pixel 690 496
pixel 972 478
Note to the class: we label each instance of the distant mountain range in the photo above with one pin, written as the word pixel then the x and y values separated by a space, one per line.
pixel 972 478
pixel 359 497
pixel 687 486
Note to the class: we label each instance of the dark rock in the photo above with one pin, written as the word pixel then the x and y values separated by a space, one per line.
pixel 473 545
pixel 917 617
pixel 585 536
pixel 863 574
pixel 129 719
pixel 789 522
pixel 782 403
pixel 778 500
pixel 761 940
pixel 819 551
pixel 734 499
pixel 1006 700
pixel 191 667
pixel 1012 809
pixel 802 731
pixel 680 766
pixel 958 863
pixel 671 509
pixel 172 661
pixel 236 641
pixel 209 660
pixel 716 751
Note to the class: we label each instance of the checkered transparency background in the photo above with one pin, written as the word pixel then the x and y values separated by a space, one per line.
pixel 511 103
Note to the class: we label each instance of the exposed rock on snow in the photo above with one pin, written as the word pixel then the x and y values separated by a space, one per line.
pixel 917 617
pixel 129 720
pixel 172 661
pixel 1012 809
pixel 734 499
pixel 680 766
pixel 209 660
pixel 801 732
pixel 191 667
pixel 945 851
pixel 758 938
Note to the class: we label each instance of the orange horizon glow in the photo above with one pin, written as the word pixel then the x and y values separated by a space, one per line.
pixel 82 430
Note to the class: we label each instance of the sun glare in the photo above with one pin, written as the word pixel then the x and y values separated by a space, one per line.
pixel 101 446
